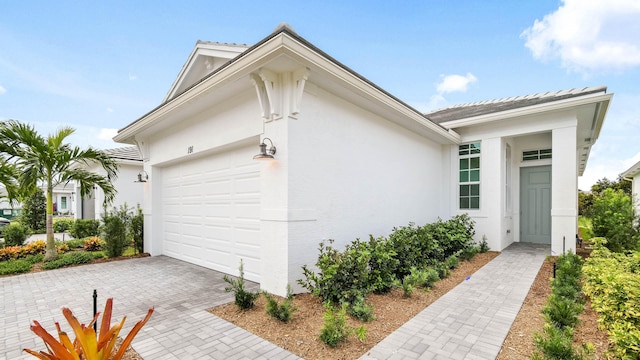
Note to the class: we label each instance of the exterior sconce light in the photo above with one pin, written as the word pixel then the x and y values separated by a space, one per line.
pixel 264 153
pixel 142 177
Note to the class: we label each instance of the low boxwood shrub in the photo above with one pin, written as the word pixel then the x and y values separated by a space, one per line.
pixel 15 234
pixel 360 310
pixel 75 243
pixel 15 266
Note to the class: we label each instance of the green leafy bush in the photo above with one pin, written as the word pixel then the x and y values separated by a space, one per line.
pixel 383 263
pixel 484 246
pixel 562 312
pixel 73 258
pixel 613 218
pixel 15 266
pixel 612 282
pixel 15 234
pixel 34 259
pixel 452 262
pixel 282 312
pixel 62 225
pixel 243 299
pixel 335 329
pixel 343 276
pixel 556 344
pixel 83 228
pixel 430 277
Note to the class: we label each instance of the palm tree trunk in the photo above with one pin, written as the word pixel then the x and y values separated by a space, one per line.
pixel 51 253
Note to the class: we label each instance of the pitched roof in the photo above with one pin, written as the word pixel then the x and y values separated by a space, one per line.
pixel 468 110
pixel 124 153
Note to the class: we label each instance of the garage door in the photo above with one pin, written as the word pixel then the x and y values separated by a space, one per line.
pixel 211 212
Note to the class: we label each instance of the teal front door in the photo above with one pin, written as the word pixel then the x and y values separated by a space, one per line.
pixel 535 204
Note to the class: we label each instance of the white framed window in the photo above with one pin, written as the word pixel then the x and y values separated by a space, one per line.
pixel 63 203
pixel 469 176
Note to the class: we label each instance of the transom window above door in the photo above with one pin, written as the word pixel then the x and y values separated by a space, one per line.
pixel 540 154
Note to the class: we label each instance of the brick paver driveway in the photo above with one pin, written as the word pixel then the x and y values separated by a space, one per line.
pixel 180 327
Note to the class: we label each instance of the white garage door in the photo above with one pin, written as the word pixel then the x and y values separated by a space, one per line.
pixel 211 212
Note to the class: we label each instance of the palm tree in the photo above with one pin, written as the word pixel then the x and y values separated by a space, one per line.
pixel 50 161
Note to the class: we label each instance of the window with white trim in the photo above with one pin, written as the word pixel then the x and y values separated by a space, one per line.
pixel 469 175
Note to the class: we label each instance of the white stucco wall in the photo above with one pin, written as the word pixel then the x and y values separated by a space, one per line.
pixel 129 192
pixel 343 174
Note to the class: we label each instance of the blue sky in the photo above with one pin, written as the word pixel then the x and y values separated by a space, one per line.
pixel 97 66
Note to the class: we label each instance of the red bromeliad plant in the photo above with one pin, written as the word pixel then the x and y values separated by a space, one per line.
pixel 87 345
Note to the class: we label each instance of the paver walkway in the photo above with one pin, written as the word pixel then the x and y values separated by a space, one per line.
pixel 472 320
pixel 180 327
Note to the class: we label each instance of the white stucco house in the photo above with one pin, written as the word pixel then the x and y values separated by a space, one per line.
pixel 129 191
pixel 633 174
pixel 349 160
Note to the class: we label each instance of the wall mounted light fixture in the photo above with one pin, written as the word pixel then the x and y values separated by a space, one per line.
pixel 264 153
pixel 142 177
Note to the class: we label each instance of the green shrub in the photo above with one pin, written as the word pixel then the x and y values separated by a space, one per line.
pixel 75 243
pixel 430 277
pixel 452 262
pixel 484 246
pixel 137 230
pixel 34 212
pixel 442 269
pixel 382 265
pixel 83 228
pixel 612 282
pixel 360 310
pixel 562 312
pixel 73 258
pixel 556 344
pixel 343 277
pixel 114 233
pixel 613 218
pixel 335 329
pixel 282 312
pixel 62 225
pixel 34 259
pixel 15 266
pixel 243 299
pixel 15 234
pixel 468 253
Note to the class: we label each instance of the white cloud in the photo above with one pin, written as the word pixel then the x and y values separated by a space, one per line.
pixel 588 35
pixel 2 90
pixel 107 134
pixel 455 83
pixel 132 77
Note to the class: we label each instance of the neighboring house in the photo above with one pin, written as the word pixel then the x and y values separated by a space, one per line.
pixel 633 174
pixel 63 198
pixel 8 210
pixel 129 192
pixel 351 160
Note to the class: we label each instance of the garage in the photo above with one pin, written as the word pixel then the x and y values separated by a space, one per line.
pixel 211 211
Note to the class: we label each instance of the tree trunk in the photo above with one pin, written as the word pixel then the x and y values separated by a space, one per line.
pixel 52 252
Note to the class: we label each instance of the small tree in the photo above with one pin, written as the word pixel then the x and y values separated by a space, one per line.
pixel 613 218
pixel 34 211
